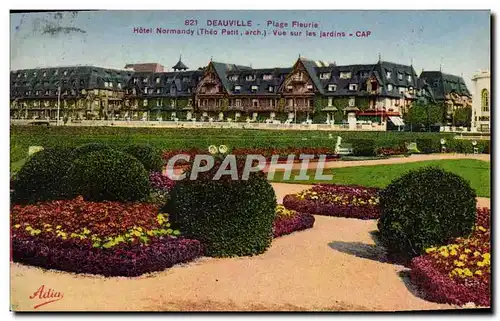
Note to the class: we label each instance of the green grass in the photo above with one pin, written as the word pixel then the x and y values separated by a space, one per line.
pixel 477 172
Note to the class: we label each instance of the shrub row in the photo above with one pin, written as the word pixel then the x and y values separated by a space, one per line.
pixel 336 200
pixel 130 260
pixel 288 225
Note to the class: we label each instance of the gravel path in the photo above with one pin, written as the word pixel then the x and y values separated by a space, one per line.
pixel 334 266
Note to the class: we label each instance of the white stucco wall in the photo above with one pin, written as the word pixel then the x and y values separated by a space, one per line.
pixel 481 80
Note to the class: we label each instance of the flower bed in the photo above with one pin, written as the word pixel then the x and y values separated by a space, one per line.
pixel 266 152
pixel 108 238
pixel 336 200
pixel 460 272
pixel 288 221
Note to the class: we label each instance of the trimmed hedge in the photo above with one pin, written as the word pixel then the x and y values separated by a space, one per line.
pixel 149 156
pixel 424 208
pixel 364 147
pixel 90 147
pixel 132 260
pixel 43 176
pixel 109 175
pixel 230 217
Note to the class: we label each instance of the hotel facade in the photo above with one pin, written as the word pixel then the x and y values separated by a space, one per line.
pixel 309 91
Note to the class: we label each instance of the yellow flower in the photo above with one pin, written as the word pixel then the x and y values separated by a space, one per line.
pixel 480 264
pixel 468 272
pixel 482 229
pixel 445 254
pixel 463 257
pixel 458 263
pixel 476 254
pixel 486 256
pixel 478 272
pixel 431 249
pixel 453 252
pixel 17 225
pixel 467 251
pixel 58 226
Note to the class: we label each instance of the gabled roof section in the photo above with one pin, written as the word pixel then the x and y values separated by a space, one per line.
pixel 222 69
pixel 310 66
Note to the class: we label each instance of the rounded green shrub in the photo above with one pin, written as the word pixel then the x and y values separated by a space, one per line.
pixel 230 217
pixel 428 145
pixel 424 208
pixel 43 176
pixel 149 156
pixel 109 175
pixel 90 147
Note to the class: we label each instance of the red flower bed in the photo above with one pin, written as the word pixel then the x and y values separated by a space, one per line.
pixel 266 152
pixel 336 200
pixel 108 238
pixel 126 260
pixel 288 225
pixel 389 151
pixel 460 272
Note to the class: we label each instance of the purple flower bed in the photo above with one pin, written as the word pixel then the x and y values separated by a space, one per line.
pixel 440 288
pixel 336 200
pixel 130 260
pixel 161 182
pixel 288 225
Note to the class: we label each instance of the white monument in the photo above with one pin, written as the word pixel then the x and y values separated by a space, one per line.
pixel 481 102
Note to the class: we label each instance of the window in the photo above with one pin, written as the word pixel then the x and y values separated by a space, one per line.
pixel 255 88
pixel 47 92
pixel 190 103
pixel 19 75
pixel 34 74
pixel 170 79
pixel 134 91
pixel 485 106
pixel 255 102
pixel 119 85
pixel 389 87
pixel 310 103
pixel 271 89
pixel 145 80
pixel 145 102
pixel 484 118
pixel 202 90
pixel 73 92
pixel 150 91
pixel 25 75
pixel 185 79
pixel 65 73
pixel 271 102
pixel 309 87
pixel 96 92
pixel 352 102
pixel 250 78
pixel 158 90
pixel 172 90
pixel 105 84
pixel 364 74
pixel 289 87
pixel 388 74
pixel 46 103
pixel 37 92
pixel 325 75
pixel 409 77
pixel 332 87
pixel 135 80
pixel 145 90
pixel 158 102
pixel 237 88
pixel 290 102
pixel 402 90
pixel 330 101
pixel 267 77
pixel 353 87
pixel 238 102
pixel 56 72
pixel 157 80
pixel 234 78
pixel 345 75
pixel 400 76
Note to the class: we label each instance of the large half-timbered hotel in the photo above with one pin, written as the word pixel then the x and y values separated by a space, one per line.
pixel 309 90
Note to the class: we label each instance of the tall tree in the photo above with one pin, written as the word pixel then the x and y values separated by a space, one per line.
pixel 424 114
pixel 462 117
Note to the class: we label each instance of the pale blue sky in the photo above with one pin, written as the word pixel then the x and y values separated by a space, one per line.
pixel 460 40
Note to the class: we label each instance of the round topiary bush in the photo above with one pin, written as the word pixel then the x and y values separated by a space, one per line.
pixel 423 208
pixel 363 147
pixel 43 176
pixel 90 147
pixel 230 217
pixel 149 156
pixel 109 175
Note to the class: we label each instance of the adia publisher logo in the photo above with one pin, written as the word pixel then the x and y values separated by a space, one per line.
pixel 45 296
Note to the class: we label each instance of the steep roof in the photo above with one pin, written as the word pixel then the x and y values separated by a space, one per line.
pixel 180 66
pixel 443 84
pixel 222 70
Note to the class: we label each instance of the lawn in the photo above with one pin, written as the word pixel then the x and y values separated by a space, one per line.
pixel 475 171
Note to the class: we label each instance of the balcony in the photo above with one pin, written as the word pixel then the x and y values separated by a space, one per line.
pixel 298 79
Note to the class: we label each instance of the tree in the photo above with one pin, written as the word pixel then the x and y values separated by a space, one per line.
pixel 424 115
pixel 463 117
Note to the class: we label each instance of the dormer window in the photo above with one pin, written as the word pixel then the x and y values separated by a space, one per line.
pixel 325 75
pixel 110 84
pixel 389 87
pixel 309 87
pixel 400 76
pixel 157 80
pixel 267 77
pixel 65 73
pixel 388 74
pixel 352 102
pixel 185 79
pixel 47 92
pixel 150 92
pixel 271 89
pixel 56 72
pixel 19 75
pixel 170 79
pixel 345 75
pixel 353 87
pixel 158 90
pixel 105 84
pixel 332 87
pixel 135 80
pixel 172 90
pixel 37 92
pixel 255 88
pixel 364 74
pixel 250 78
pixel 409 78
pixel 145 80
pixel 289 87
pixel 237 88
pixel 34 74
pixel 25 75
pixel 119 85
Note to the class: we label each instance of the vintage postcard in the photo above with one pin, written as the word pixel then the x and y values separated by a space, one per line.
pixel 246 160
